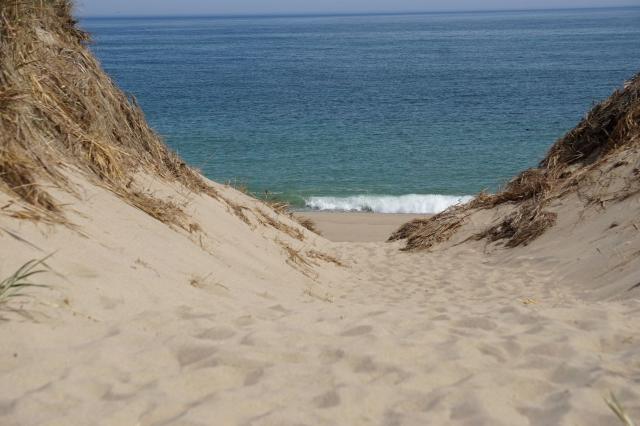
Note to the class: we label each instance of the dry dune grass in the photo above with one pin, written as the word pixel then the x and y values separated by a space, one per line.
pixel 308 224
pixel 520 227
pixel 270 216
pixel 296 259
pixel 265 219
pixel 58 108
pixel 237 209
pixel 609 125
pixel 611 130
pixel 318 255
pixel 165 211
pixel 284 208
pixel 278 206
pixel 426 233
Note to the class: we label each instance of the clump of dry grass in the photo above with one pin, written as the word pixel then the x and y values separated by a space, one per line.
pixel 294 256
pixel 20 180
pixel 266 219
pixel 307 223
pixel 57 107
pixel 520 227
pixel 237 209
pixel 280 207
pixel 238 186
pixel 315 254
pixel 284 208
pixel 165 211
pixel 573 162
pixel 613 123
pixel 532 183
pixel 296 259
pixel 426 233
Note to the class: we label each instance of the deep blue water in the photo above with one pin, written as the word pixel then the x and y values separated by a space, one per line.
pixel 369 105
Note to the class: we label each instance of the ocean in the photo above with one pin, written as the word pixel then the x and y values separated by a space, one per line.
pixel 388 113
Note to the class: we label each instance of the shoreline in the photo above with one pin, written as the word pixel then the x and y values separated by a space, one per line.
pixel 358 226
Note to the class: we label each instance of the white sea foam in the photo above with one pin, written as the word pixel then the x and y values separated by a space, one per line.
pixel 410 203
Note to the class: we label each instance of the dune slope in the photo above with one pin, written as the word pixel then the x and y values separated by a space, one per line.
pixel 581 205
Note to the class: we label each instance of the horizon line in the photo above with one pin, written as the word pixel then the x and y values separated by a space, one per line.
pixel 354 13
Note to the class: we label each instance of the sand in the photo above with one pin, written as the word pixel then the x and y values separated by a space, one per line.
pixel 142 324
pixel 357 227
pixel 239 316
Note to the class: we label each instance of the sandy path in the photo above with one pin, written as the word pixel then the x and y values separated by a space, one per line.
pixel 445 338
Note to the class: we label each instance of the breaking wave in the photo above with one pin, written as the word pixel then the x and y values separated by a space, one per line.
pixel 410 203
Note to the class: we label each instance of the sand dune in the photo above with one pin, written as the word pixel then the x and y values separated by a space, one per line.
pixel 171 299
pixel 141 324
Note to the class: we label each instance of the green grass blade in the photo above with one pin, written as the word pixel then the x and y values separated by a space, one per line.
pixel 618 410
pixel 12 285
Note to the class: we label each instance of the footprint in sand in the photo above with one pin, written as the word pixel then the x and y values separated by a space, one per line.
pixel 357 331
pixel 253 377
pixel 330 355
pixel 327 400
pixel 188 355
pixel 481 323
pixel 217 333
pixel 365 365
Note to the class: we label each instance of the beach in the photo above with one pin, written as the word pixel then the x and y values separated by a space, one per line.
pixel 136 290
pixel 358 227
pixel 247 324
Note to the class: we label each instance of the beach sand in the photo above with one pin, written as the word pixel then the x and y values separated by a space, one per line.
pixel 144 324
pixel 357 227
pixel 168 299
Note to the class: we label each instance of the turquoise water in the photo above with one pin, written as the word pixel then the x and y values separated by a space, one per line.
pixel 320 108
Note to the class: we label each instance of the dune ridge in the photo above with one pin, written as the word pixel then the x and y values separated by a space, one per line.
pixel 171 299
pixel 600 152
